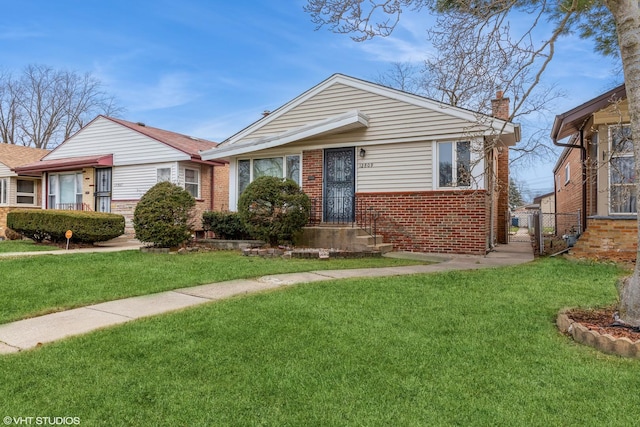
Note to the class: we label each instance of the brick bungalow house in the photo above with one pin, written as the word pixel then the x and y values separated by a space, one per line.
pixel 17 191
pixel 435 176
pixel 595 176
pixel 109 164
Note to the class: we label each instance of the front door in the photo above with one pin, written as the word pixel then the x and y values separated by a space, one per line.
pixel 103 190
pixel 339 184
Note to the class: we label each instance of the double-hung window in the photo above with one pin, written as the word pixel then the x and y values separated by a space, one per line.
pixel 280 167
pixel 621 171
pixel 454 164
pixel 192 182
pixel 25 192
pixel 4 191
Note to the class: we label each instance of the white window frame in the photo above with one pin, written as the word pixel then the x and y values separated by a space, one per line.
pixel 567 173
pixel 32 195
pixel 196 183
pixel 454 161
pixel 285 172
pixel 4 191
pixel 55 192
pixel 163 169
pixel 627 154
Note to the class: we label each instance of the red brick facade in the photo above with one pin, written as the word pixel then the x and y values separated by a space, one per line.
pixel 432 221
pixel 312 179
pixel 426 221
pixel 568 190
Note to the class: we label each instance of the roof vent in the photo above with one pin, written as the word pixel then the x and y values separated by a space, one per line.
pixel 265 113
pixel 141 124
pixel 194 138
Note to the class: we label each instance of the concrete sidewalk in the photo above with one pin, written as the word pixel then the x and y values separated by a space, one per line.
pixel 30 333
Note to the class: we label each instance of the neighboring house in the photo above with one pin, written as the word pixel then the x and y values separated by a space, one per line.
pixel 546 203
pixel 109 164
pixel 435 175
pixel 595 175
pixel 17 191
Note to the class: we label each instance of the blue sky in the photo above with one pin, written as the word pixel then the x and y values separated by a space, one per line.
pixel 209 69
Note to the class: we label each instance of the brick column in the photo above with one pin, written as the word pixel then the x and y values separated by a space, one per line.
pixel 500 110
pixel 312 180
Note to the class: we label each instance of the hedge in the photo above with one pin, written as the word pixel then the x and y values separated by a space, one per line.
pixel 87 227
pixel 225 225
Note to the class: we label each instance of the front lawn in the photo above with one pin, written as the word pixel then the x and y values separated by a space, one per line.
pixel 41 284
pixel 459 348
pixel 7 246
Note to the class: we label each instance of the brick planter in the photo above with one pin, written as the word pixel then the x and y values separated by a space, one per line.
pixel 605 343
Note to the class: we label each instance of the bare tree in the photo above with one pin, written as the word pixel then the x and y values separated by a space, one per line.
pixel 403 76
pixel 10 95
pixel 45 106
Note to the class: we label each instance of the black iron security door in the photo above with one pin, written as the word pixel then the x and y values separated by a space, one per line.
pixel 103 190
pixel 339 185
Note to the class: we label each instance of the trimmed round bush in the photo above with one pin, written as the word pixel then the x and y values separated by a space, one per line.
pixel 87 227
pixel 163 216
pixel 274 209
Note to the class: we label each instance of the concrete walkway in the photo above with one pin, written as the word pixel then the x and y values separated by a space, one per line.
pixel 30 333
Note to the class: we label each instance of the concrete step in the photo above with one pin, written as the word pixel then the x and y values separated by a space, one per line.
pixel 381 247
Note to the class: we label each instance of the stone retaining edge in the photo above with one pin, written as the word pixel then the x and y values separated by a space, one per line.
pixel 605 343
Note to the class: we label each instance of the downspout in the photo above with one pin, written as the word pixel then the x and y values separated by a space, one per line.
pixel 583 166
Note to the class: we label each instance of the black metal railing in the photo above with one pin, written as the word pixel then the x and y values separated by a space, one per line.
pixel 367 218
pixel 74 206
pixel 348 210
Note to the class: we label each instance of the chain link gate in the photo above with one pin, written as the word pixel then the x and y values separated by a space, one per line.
pixel 547 232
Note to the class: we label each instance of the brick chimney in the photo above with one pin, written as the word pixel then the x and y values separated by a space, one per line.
pixel 500 110
pixel 500 106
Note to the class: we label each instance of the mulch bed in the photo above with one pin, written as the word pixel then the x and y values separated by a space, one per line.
pixel 600 320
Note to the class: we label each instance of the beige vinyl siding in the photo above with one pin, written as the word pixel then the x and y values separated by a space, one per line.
pixel 6 171
pixel 390 119
pixel 398 167
pixel 127 146
pixel 618 113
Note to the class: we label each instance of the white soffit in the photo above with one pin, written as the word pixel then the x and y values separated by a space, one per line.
pixel 351 120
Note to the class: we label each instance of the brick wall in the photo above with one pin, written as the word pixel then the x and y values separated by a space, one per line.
pixel 312 177
pixel 221 188
pixel 500 109
pixel 568 194
pixel 433 221
pixel 608 238
pixel 502 214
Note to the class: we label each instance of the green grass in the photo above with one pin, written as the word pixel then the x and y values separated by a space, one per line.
pixel 460 348
pixel 7 246
pixel 35 285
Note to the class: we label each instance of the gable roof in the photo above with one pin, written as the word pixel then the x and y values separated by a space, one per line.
pixel 185 143
pixel 571 121
pixel 349 120
pixel 13 155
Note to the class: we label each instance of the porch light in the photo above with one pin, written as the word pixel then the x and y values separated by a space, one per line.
pixel 362 152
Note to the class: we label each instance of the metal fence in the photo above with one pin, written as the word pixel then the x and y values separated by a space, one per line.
pixel 548 232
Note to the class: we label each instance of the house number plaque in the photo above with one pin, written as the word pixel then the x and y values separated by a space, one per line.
pixel 365 165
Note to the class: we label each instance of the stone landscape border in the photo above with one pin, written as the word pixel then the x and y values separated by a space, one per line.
pixel 603 342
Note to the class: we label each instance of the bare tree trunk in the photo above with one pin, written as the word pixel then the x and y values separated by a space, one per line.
pixel 627 17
